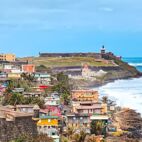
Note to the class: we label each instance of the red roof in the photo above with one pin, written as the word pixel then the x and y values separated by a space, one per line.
pixel 55 111
pixel 43 87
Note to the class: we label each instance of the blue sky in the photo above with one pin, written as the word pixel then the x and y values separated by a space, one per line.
pixel 28 27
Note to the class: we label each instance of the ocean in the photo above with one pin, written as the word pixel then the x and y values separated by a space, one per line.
pixel 126 93
pixel 136 62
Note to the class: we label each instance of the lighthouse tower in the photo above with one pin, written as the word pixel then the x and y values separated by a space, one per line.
pixel 103 50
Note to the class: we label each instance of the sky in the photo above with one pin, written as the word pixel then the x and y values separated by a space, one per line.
pixel 28 27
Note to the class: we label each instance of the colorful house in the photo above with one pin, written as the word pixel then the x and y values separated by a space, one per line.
pixel 29 68
pixel 51 101
pixel 51 110
pixel 11 67
pixel 87 107
pixel 25 108
pixel 79 121
pixel 7 57
pixel 85 95
pixel 3 75
pixel 14 75
pixel 32 94
pixel 43 78
pixel 49 125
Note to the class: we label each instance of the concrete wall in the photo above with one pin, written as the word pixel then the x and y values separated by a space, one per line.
pixel 10 130
pixel 95 55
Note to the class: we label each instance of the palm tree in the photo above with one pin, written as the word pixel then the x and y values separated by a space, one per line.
pixel 15 99
pixel 97 127
pixel 94 138
pixel 64 139
pixel 80 137
pixel 43 138
pixel 10 87
pixel 105 99
pixel 70 132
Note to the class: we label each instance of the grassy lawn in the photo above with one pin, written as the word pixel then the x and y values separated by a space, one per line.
pixel 66 61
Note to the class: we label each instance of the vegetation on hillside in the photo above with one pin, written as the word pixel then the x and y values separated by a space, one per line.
pixel 15 98
pixel 66 61
pixel 63 87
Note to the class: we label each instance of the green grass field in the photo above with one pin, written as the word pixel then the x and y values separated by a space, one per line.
pixel 66 61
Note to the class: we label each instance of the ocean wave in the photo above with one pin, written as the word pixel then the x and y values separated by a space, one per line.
pixel 132 98
pixel 136 64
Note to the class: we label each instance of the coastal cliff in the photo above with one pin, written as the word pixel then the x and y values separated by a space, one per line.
pixel 72 65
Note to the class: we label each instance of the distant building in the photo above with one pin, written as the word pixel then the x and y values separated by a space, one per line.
pixel 18 90
pixel 10 67
pixel 93 54
pixel 51 110
pixel 49 125
pixel 88 73
pixel 3 75
pixel 29 68
pixel 78 121
pixel 103 50
pixel 87 107
pixel 85 95
pixel 43 78
pixel 14 75
pixel 25 108
pixel 32 94
pixel 53 100
pixel 7 57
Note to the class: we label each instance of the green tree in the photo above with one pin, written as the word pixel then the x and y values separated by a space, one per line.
pixel 10 87
pixel 80 137
pixel 43 138
pixel 105 99
pixel 70 132
pixel 98 128
pixel 94 138
pixel 65 98
pixel 26 76
pixel 13 99
pixel 63 87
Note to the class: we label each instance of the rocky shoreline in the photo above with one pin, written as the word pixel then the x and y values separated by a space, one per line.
pixel 110 77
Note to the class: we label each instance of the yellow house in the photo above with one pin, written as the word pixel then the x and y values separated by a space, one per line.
pixel 85 95
pixel 48 121
pixel 7 57
pixel 14 75
pixel 104 108
pixel 49 125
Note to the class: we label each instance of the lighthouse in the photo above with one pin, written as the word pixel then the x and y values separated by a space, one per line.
pixel 103 50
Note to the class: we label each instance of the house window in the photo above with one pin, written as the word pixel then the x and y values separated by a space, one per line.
pixel 45 127
pixel 53 133
pixel 81 118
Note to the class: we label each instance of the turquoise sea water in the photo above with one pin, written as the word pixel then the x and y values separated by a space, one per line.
pixel 126 93
pixel 137 62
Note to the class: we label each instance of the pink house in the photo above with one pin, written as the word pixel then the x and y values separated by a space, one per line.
pixel 87 107
pixel 51 110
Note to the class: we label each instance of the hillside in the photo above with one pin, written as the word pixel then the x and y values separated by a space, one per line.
pixel 67 61
pixel 115 68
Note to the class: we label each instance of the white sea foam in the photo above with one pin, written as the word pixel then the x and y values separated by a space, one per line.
pixel 127 93
pixel 135 64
